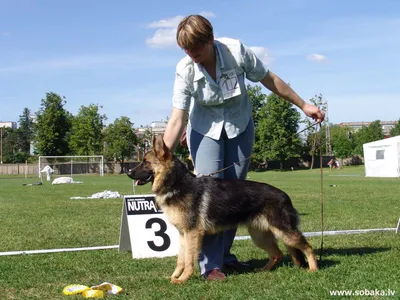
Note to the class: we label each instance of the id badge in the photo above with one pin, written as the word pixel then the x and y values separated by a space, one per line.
pixel 229 84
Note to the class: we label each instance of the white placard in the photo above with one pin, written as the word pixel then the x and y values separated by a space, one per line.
pixel 145 230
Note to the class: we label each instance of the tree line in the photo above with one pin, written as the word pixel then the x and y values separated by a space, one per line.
pixel 53 130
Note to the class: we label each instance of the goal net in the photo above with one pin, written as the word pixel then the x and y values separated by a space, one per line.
pixel 71 165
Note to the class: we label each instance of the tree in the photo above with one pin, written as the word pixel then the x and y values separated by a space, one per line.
pixel 9 145
pixel 276 133
pixel 53 126
pixel 86 131
pixel 375 131
pixel 25 131
pixel 10 151
pixel 396 129
pixel 258 100
pixel 315 136
pixel 342 142
pixel 121 140
pixel 367 134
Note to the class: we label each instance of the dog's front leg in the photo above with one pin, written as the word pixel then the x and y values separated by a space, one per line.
pixel 193 241
pixel 180 262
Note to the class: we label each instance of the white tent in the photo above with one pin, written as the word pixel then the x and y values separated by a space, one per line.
pixel 382 158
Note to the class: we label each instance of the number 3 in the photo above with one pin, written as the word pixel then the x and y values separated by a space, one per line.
pixel 161 233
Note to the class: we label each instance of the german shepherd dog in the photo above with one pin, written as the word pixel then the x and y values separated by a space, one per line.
pixel 206 205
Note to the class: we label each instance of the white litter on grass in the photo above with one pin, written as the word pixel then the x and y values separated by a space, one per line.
pixel 64 180
pixel 102 195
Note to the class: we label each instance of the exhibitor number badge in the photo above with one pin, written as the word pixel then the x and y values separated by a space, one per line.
pixel 229 84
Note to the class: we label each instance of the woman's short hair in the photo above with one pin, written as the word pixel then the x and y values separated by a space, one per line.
pixel 193 30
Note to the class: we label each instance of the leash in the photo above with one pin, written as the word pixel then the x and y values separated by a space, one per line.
pixel 247 158
pixel 321 194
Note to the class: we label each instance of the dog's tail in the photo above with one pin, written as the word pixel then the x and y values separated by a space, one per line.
pixel 297 256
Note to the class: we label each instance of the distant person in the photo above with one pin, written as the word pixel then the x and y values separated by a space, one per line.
pixel 331 164
pixel 337 164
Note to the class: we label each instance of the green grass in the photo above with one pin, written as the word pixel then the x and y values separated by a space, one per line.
pixel 44 217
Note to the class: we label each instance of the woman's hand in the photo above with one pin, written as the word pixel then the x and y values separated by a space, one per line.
pixel 314 112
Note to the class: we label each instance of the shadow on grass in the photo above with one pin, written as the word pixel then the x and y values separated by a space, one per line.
pixel 303 214
pixel 350 251
pixel 256 265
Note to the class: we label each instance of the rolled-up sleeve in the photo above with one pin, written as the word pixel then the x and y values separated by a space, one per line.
pixel 181 95
pixel 252 65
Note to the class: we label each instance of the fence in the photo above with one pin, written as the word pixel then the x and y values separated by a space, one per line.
pixel 19 169
pixel 115 168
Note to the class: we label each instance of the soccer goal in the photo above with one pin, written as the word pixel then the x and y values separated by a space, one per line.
pixel 71 165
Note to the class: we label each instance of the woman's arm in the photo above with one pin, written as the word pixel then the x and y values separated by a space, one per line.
pixel 174 129
pixel 279 87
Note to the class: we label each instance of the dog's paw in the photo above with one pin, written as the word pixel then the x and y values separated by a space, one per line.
pixel 312 270
pixel 177 273
pixel 175 280
pixel 272 263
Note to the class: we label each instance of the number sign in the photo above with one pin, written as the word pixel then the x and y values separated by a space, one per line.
pixel 145 230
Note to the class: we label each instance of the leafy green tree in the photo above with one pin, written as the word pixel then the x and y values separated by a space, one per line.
pixel 276 133
pixel 360 138
pixel 375 131
pixel 367 134
pixel 52 126
pixel 10 151
pixel 25 131
pixel 121 141
pixel 258 100
pixel 315 134
pixel 342 142
pixel 396 129
pixel 9 141
pixel 86 132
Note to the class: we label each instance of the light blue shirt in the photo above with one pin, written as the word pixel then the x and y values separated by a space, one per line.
pixel 197 92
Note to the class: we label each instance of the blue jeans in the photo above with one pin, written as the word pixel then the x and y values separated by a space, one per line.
pixel 211 155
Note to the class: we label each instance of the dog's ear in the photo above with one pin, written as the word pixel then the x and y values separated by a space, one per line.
pixel 161 150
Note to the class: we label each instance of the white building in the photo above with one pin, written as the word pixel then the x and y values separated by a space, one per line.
pixel 386 126
pixel 8 124
pixel 155 128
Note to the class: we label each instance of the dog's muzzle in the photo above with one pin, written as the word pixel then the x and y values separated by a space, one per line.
pixel 141 179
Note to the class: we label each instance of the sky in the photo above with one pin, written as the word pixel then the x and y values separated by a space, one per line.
pixel 122 54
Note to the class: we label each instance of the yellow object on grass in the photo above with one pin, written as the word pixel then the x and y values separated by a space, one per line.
pixel 108 287
pixel 93 294
pixel 74 289
pixel 96 291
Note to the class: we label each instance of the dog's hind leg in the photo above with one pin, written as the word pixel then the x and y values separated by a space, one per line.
pixel 264 239
pixel 297 257
pixel 295 239
pixel 180 262
pixel 193 240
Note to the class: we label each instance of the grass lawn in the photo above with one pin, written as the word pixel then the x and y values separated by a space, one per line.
pixel 44 217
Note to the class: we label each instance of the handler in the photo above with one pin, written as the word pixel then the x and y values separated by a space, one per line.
pixel 220 128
